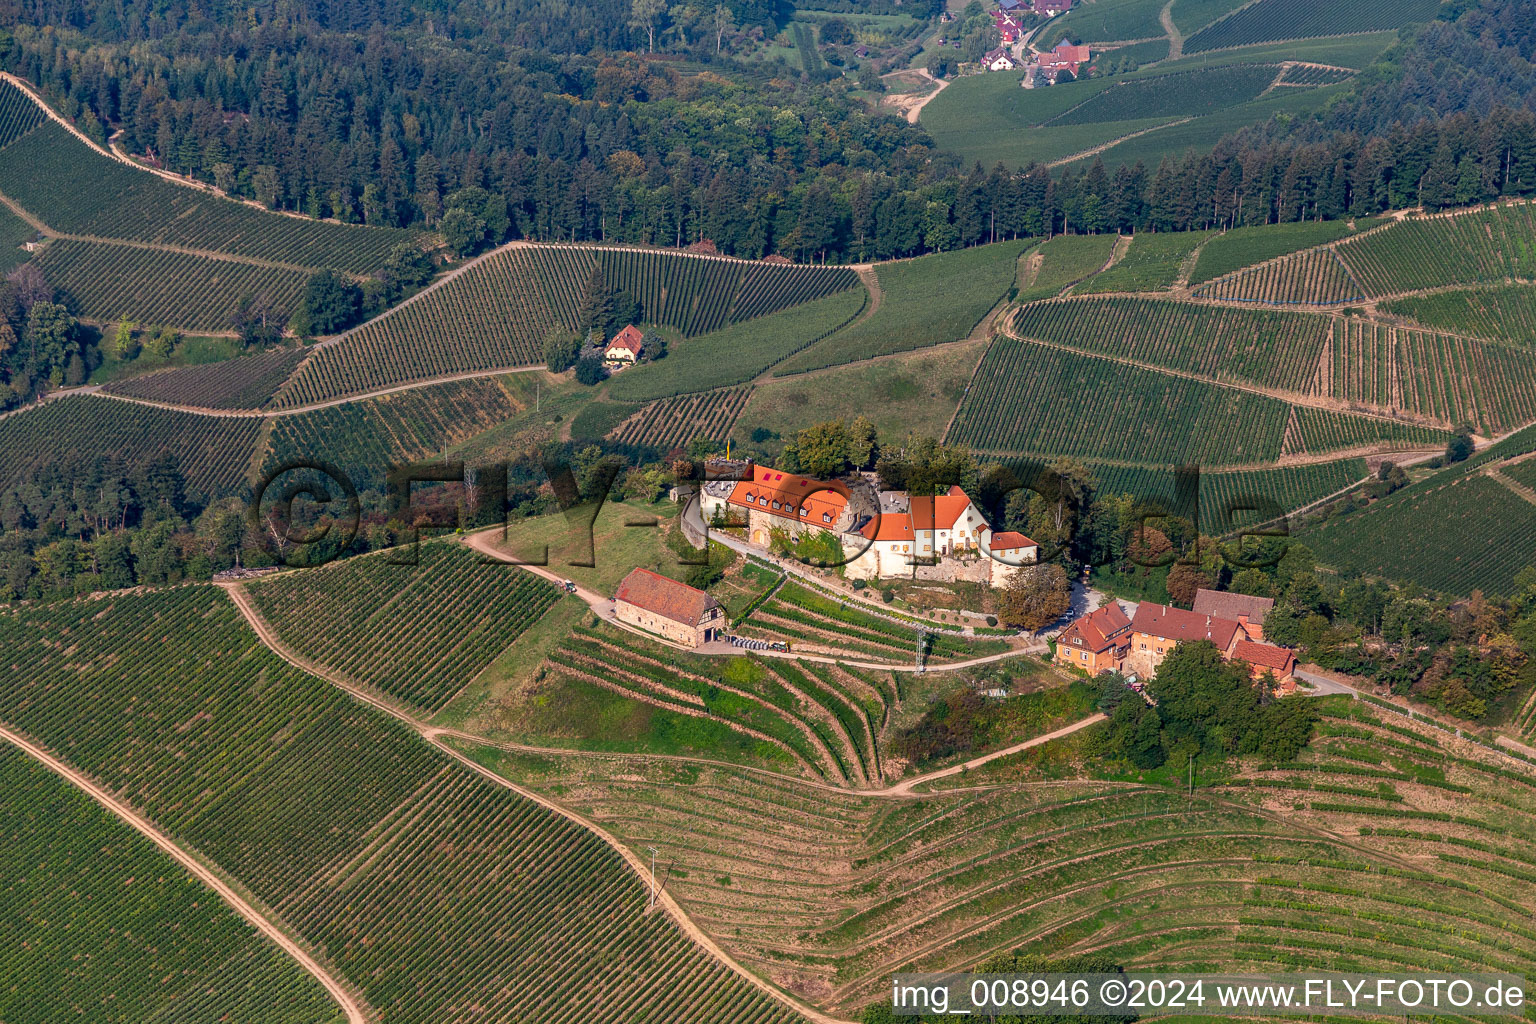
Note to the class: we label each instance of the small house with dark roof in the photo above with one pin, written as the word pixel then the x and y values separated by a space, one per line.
pixel 1247 611
pixel 1262 658
pixel 680 613
pixel 1096 642
pixel 999 59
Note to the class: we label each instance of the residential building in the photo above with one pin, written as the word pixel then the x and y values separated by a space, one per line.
pixel 999 60
pixel 1245 610
pixel 1009 551
pixel 1096 642
pixel 1157 628
pixel 1051 8
pixel 1262 658
pixel 1065 57
pixel 682 614
pixel 626 346
pixel 886 547
pixel 928 528
pixel 775 500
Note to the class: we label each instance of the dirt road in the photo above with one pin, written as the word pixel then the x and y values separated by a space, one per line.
pixel 349 1005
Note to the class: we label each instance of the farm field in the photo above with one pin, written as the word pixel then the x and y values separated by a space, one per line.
pixel 368 436
pixel 1151 264
pixel 1485 246
pixel 18 114
pixel 1473 533
pixel 77 191
pixel 928 301
pixel 1225 497
pixel 112 924
pixel 1190 16
pixel 916 391
pixel 1275 349
pixel 103 282
pixel 740 352
pixel 854 888
pixel 418 632
pixel 1244 247
pixel 1063 260
pixel 1183 94
pixel 1315 277
pixel 429 887
pixel 69 435
pixel 1104 21
pixel 13 233
pixel 624 534
pixel 1501 312
pixel 245 382
pixel 495 314
pixel 1270 20
pixel 676 421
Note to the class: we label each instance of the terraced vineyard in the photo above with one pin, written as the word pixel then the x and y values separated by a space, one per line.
pixel 420 632
pixel 495 314
pixel 1320 430
pixel 1485 246
pixel 1275 349
pixel 814 623
pixel 429 887
pixel 1470 533
pixel 102 282
pixel 1312 278
pixel 212 452
pixel 927 301
pixel 1245 247
pixel 834 892
pixel 1308 75
pixel 104 917
pixel 244 383
pixel 676 421
pixel 1452 380
pixel 1502 312
pixel 1270 20
pixel 366 437
pixel 77 191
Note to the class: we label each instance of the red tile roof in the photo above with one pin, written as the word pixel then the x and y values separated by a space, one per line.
pixel 1179 625
pixel 895 526
pixel 1226 605
pixel 629 339
pixel 665 597
pixel 1282 661
pixel 786 494
pixel 1010 541
pixel 939 513
pixel 1098 629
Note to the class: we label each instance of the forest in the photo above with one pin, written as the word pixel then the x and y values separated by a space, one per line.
pixel 378 114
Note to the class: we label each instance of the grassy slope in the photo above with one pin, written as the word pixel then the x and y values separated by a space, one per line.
pixel 1063 260
pixel 917 391
pixel 1151 264
pixel 927 301
pixel 1105 20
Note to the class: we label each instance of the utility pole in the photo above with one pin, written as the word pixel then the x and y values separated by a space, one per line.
pixel 652 904
pixel 1191 774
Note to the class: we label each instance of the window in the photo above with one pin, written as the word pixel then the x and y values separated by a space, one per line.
pixel 1143 646
pixel 776 505
pixel 1085 655
pixel 1078 640
pixel 762 500
pixel 804 511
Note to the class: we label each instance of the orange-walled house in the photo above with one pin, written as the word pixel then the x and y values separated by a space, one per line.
pixel 1096 642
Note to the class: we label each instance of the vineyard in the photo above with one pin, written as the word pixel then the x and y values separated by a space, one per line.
pixel 419 632
pixel 1239 248
pixel 834 893
pixel 927 301
pixel 1031 399
pixel 18 114
pixel 247 382
pixel 429 887
pixel 80 433
pixel 97 916
pixel 495 314
pixel 1189 93
pixel 1224 496
pixel 1317 431
pixel 1270 20
pixel 77 191
pixel 1502 312
pixel 14 232
pixel 1307 75
pixel 1471 533
pixel 1453 380
pixel 102 282
pixel 1062 261
pixel 1315 277
pixel 366 437
pixel 1276 349
pixel 676 421
pixel 1485 246
pixel 1151 264
pixel 740 352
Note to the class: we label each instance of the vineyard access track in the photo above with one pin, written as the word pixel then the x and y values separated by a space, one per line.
pixel 351 1005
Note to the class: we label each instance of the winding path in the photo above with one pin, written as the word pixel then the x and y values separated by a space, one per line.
pixel 434 735
pixel 194 867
